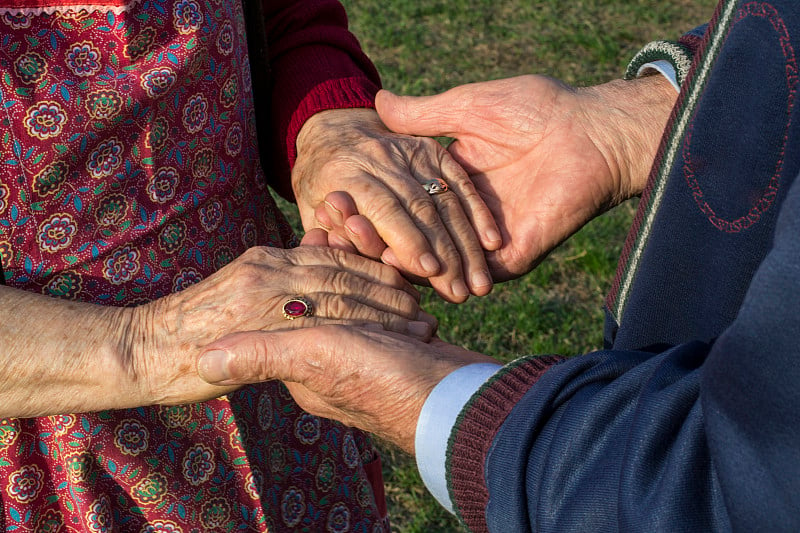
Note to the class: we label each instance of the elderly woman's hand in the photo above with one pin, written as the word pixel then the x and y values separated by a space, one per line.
pixel 250 294
pixel 62 356
pixel 438 237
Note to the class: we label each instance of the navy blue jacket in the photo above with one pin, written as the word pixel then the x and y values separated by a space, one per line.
pixel 690 419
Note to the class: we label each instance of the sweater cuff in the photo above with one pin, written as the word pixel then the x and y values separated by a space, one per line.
pixel 474 433
pixel 436 422
pixel 679 54
pixel 344 93
pixel 676 54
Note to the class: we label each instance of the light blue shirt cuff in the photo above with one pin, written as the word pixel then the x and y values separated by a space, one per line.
pixel 664 68
pixel 436 422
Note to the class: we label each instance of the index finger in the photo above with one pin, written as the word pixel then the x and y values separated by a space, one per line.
pixel 362 267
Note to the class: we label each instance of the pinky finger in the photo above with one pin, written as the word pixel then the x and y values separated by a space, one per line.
pixel 353 234
pixel 315 237
pixel 477 212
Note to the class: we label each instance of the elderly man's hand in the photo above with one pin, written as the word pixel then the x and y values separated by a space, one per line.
pixel 374 380
pixel 438 237
pixel 545 157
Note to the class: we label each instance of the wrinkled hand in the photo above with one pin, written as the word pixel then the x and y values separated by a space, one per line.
pixel 545 157
pixel 439 237
pixel 375 380
pixel 248 294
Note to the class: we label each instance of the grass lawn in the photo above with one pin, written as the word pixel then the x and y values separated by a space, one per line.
pixel 428 47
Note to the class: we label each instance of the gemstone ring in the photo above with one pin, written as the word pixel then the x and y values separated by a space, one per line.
pixel 297 307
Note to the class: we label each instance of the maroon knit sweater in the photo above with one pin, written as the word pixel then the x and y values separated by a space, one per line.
pixel 309 62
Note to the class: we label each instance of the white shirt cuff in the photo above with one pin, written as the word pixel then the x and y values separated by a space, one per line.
pixel 664 68
pixel 436 422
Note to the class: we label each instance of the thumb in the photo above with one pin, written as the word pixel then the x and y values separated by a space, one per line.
pixel 254 356
pixel 429 116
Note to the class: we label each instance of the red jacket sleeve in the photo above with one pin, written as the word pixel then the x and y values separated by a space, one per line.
pixel 315 64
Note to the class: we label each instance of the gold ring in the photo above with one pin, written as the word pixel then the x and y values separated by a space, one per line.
pixel 297 307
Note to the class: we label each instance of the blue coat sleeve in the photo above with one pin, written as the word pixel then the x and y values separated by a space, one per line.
pixel 701 437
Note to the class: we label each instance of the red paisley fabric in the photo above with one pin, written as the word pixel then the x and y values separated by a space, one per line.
pixel 129 170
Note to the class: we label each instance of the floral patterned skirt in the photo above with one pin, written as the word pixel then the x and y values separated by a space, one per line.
pixel 129 170
pixel 250 462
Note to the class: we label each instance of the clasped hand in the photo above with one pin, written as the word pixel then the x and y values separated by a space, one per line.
pixel 546 158
pixel 438 238
pixel 248 295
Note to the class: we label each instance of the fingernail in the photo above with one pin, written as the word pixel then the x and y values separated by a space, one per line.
pixel 481 279
pixel 213 366
pixel 333 207
pixel 459 288
pixel 429 319
pixel 493 235
pixel 351 231
pixel 429 263
pixel 419 329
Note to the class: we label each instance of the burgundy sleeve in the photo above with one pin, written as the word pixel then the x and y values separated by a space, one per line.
pixel 315 64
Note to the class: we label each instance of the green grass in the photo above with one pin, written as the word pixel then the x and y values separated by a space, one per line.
pixel 428 47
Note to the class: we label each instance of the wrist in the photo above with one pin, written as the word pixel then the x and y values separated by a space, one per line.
pixel 124 346
pixel 75 360
pixel 323 135
pixel 628 120
pixel 141 332
pixel 333 124
pixel 163 339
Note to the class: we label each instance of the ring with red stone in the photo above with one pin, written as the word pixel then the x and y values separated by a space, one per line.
pixel 297 307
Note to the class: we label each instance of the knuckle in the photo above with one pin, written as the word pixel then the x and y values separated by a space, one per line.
pixel 450 210
pixel 362 186
pixel 254 261
pixel 252 254
pixel 394 322
pixel 248 274
pixel 465 189
pixel 341 307
pixel 430 142
pixel 339 281
pixel 376 146
pixel 423 210
pixel 451 167
pixel 250 362
pixel 404 304
pixel 383 207
pixel 450 256
pixel 454 216
pixel 391 276
pixel 306 274
pixel 296 256
pixel 391 300
pixel 260 254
